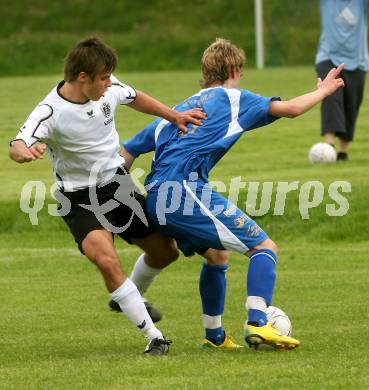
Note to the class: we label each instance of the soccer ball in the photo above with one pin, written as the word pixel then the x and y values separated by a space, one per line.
pixel 322 153
pixel 279 319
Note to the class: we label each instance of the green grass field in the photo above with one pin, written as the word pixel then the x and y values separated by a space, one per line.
pixel 56 330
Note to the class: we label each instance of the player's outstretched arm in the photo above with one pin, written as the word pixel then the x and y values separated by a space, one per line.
pixel 20 153
pixel 148 105
pixel 301 104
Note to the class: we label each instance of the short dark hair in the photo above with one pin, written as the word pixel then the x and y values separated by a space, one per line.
pixel 91 56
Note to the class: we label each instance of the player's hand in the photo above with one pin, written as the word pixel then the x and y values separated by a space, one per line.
pixel 38 151
pixel 20 153
pixel 332 82
pixel 190 116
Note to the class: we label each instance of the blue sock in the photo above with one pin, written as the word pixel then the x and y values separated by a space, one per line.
pixel 212 290
pixel 216 335
pixel 256 317
pixel 260 281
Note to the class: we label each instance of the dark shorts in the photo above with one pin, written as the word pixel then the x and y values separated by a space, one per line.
pixel 124 215
pixel 340 110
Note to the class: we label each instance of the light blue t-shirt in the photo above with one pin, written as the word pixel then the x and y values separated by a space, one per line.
pixel 230 112
pixel 344 33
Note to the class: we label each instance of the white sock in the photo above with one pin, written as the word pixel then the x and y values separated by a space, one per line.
pixel 258 303
pixel 131 303
pixel 143 275
pixel 211 322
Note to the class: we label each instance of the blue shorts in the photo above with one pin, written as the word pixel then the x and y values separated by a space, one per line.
pixel 200 218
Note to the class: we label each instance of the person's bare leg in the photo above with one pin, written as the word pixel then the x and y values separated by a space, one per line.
pixel 159 252
pixel 329 138
pixel 99 248
pixel 344 146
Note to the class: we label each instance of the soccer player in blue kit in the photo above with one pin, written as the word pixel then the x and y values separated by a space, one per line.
pixel 183 205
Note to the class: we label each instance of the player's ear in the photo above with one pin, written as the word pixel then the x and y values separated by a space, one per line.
pixel 82 76
pixel 233 72
pixel 238 71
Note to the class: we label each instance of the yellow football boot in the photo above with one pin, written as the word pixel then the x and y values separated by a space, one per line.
pixel 228 343
pixel 255 336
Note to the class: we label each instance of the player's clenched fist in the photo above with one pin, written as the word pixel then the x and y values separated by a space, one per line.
pixel 20 153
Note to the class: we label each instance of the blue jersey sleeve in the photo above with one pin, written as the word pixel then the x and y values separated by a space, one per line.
pixel 142 142
pixel 254 110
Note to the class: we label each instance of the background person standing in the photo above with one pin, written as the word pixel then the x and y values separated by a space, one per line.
pixel 343 39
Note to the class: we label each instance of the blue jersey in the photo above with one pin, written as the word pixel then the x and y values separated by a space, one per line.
pixel 198 217
pixel 230 113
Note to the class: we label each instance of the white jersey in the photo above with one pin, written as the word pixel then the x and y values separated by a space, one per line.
pixel 79 135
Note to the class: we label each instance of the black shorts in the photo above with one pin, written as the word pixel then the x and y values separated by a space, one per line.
pixel 340 110
pixel 125 215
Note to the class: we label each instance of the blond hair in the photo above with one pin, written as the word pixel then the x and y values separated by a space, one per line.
pixel 218 60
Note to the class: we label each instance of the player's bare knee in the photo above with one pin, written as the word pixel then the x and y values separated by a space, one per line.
pixel 173 253
pixel 216 257
pixel 161 259
pixel 267 244
pixel 168 254
pixel 107 263
pixel 270 244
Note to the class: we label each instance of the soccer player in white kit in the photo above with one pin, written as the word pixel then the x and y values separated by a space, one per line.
pixel 75 125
